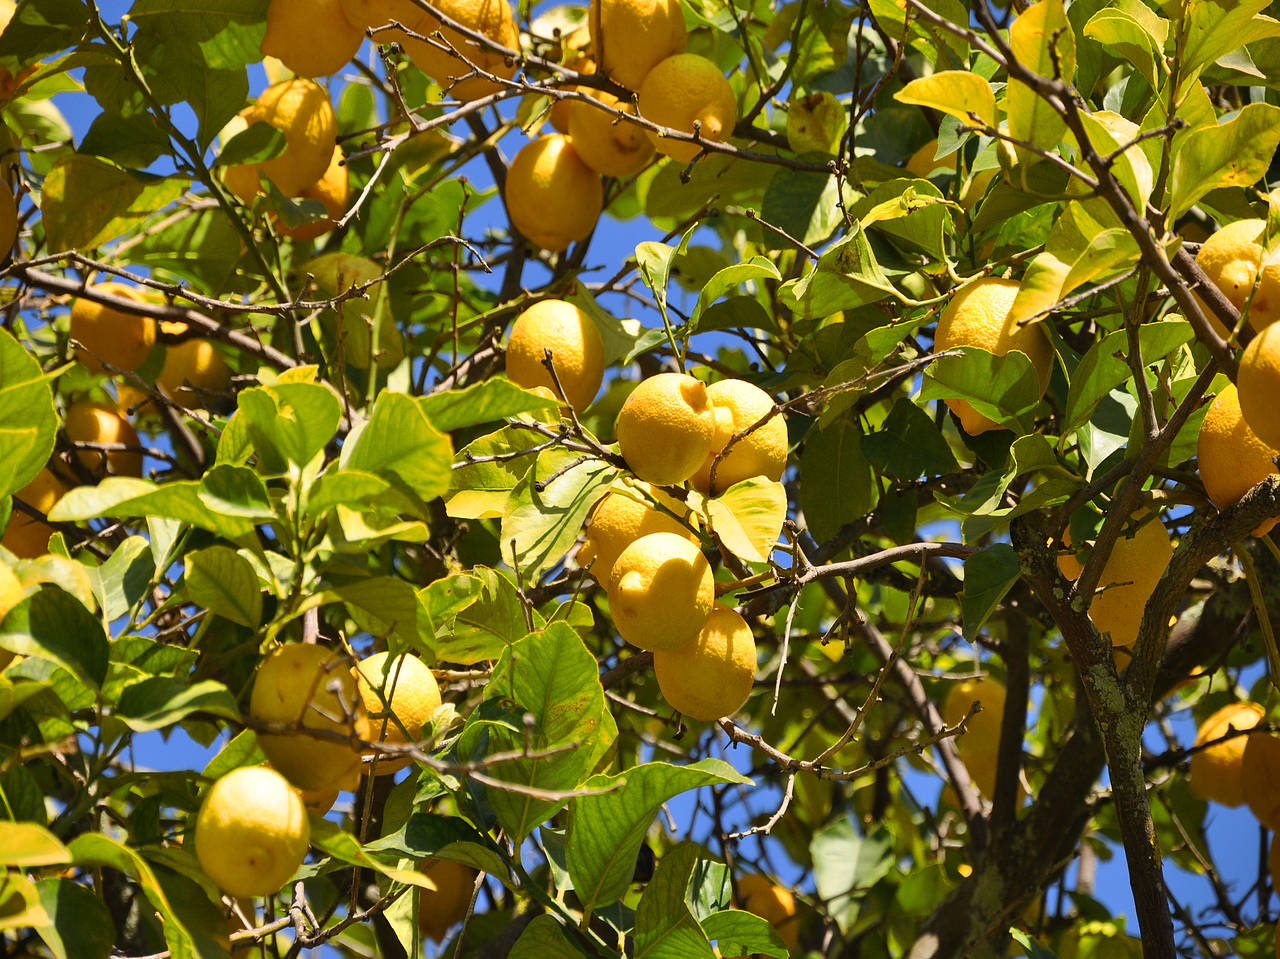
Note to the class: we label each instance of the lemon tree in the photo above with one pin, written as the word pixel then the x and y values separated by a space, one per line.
pixel 638 478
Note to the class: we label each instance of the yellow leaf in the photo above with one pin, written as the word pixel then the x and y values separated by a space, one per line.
pixel 748 517
pixel 29 844
pixel 957 92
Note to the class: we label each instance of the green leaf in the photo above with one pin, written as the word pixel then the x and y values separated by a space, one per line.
pixel 957 92
pixel 1110 133
pixel 20 906
pixel 235 491
pixel 1054 274
pixel 606 829
pixel 539 526
pixel 816 123
pixel 26 844
pixel 28 420
pixel 331 839
pixel 737 932
pixel 1232 154
pixel 845 865
pixel 553 677
pixel 87 202
pixel 1030 35
pixel 161 701
pixel 39 29
pixel 484 402
pixel 123 578
pixel 483 628
pixel 1124 34
pixel 53 625
pixel 988 575
pixel 290 422
pixel 908 445
pixel 223 582
pixel 80 925
pixel 121 497
pixel 846 275
pixel 433 836
pixel 13 695
pixel 134 140
pixel 1216 27
pixel 256 143
pixel 480 490
pixel 399 440
pixel 665 928
pixel 756 268
pixel 836 482
pixel 544 938
pixel 748 517
pixel 344 488
pixel 654 260
pixel 1104 367
pixel 1005 388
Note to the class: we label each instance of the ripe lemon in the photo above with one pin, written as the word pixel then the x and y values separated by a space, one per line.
pixel 313 38
pixel 738 405
pixel 11 594
pixel 711 676
pixel 620 518
pixel 979 747
pixel 1232 457
pixel 192 370
pixel 332 190
pixel 252 832
pixel 102 423
pixel 610 146
pixel 771 902
pixel 661 592
pixel 121 339
pixel 924 161
pixel 1233 259
pixel 25 536
pixel 631 37
pixel 1215 772
pixel 300 109
pixel 576 55
pixel 576 349
pixel 665 428
pixel 1257 380
pixel 552 196
pixel 494 19
pixel 684 90
pixel 441 909
pixel 1260 777
pixel 403 688
pixel 363 14
pixel 8 220
pixel 311 687
pixel 979 316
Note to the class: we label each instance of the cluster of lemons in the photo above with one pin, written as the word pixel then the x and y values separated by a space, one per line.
pixel 641 541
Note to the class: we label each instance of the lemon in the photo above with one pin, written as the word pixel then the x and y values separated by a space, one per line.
pixel 576 350
pixel 661 592
pixel 102 423
pixel 313 38
pixel 403 688
pixel 1232 458
pixel 978 316
pixel 364 14
pixel 25 536
pixel 332 190
pixel 1232 258
pixel 737 406
pixel 982 733
pixel 576 55
pixel 123 340
pixel 924 161
pixel 610 146
pixel 300 109
pixel 310 687
pixel 773 903
pixel 252 832
pixel 682 91
pixel 8 220
pixel 620 518
pixel 665 428
pixel 631 37
pixel 1216 771
pixel 553 198
pixel 192 370
pixel 494 19
pixel 441 909
pixel 1260 777
pixel 1257 381
pixel 711 676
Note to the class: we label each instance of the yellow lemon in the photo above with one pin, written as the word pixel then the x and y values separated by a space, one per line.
pixel 364 14
pixel 25 536
pixel 772 902
pixel 300 109
pixel 576 350
pixel 553 198
pixel 924 161
pixel 8 220
pixel 631 37
pixel 1260 777
pixel 665 428
pixel 441 909
pixel 309 687
pixel 1258 380
pixel 711 676
pixel 494 19
pixel 620 518
pixel 332 190
pixel 661 592
pixel 683 91
pixel 610 146
pixel 192 370
pixel 252 832
pixel 576 55
pixel 403 688
pixel 313 38
pixel 1232 258
pixel 978 316
pixel 1216 771
pixel 1233 458
pixel 737 406
pixel 121 339
pixel 983 730
pixel 102 423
